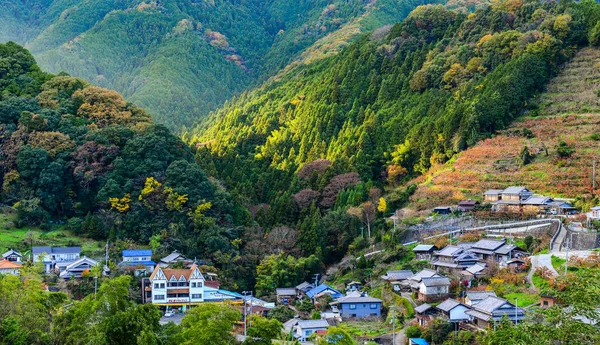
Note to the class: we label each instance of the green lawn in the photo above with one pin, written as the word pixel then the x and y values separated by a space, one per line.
pixel 524 299
pixel 539 282
pixel 558 263
pixel 23 238
pixel 365 328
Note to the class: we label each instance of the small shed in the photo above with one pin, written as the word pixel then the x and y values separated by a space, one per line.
pixel 442 210
pixel 467 205
pixel 424 251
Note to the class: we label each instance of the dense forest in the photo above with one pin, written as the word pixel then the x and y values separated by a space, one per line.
pixel 179 59
pixel 387 108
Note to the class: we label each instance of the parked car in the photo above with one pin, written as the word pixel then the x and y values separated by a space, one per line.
pixel 168 313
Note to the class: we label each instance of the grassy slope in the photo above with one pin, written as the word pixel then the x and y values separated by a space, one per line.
pixel 569 110
pixel 19 238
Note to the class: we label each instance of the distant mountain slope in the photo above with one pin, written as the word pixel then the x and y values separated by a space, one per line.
pixel 182 58
pixel 569 110
pixel 391 106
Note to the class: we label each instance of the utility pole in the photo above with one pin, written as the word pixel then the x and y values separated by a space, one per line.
pixel 244 293
pixel 594 176
pixel 567 244
pixel 393 325
pixel 516 311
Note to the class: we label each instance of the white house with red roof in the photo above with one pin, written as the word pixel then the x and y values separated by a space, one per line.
pixel 176 287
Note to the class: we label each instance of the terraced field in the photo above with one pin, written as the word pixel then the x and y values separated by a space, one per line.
pixel 569 111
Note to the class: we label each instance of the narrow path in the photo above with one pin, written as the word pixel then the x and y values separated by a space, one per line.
pixel 558 241
pixel 542 260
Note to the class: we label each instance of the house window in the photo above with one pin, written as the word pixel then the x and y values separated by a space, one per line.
pixel 156 285
pixel 546 303
pixel 197 295
pixel 200 284
pixel 159 297
pixel 193 285
pixel 374 306
pixel 162 285
pixel 352 306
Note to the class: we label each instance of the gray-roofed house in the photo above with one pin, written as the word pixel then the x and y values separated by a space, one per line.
pixel 442 210
pixel 53 256
pixel 512 199
pixel 434 289
pixel 492 195
pixel 509 252
pixel 304 328
pixel 474 297
pixel 453 310
pixel 485 249
pixel 76 268
pixel 467 205
pixel 302 288
pixel 453 259
pixel 172 258
pixel 285 295
pixel 424 251
pixel 398 275
pixel 425 313
pixel 359 306
pixel 414 282
pixel 476 271
pixel 537 204
pixel 13 256
pixel 493 309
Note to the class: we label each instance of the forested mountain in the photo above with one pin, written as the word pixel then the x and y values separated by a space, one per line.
pixel 389 108
pixel 74 152
pixel 180 59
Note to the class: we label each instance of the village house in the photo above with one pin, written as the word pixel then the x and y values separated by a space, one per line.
pixel 175 287
pixel 453 310
pixel 302 288
pixel 547 301
pixel 397 279
pixel 492 309
pixel 305 328
pixel 13 256
pixel 285 296
pixel 511 199
pixel 77 267
pixel 424 251
pixel 322 290
pixel 443 210
pixel 434 289
pixel 139 260
pixel 594 213
pixel 10 267
pixel 425 313
pixel 353 286
pixel 453 259
pixel 474 297
pixel 492 195
pixel 497 250
pixel 359 306
pixel 51 257
pixel 171 259
pixel 413 283
pixel 537 204
pixel 476 271
pixel 467 205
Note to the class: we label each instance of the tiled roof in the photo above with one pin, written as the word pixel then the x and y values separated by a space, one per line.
pixel 445 264
pixel 507 248
pixel 304 286
pixel 398 275
pixel 423 308
pixel 480 295
pixel 489 304
pixel 537 200
pixel 468 203
pixel 5 264
pixel 436 281
pixel 448 305
pixel 10 252
pixel 285 292
pixel 514 190
pixel 424 273
pixel 478 315
pixel 488 244
pixel 171 257
pixel 304 324
pixel 493 192
pixel 477 268
pixel 169 272
pixel 321 288
pixel 449 251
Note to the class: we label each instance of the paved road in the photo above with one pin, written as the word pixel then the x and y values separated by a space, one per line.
pixel 175 319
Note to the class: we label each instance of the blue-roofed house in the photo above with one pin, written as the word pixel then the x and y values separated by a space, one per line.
pixel 139 260
pixel 323 289
pixel 417 341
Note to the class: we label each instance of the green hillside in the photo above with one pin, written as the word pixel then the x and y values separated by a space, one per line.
pixel 390 108
pixel 180 59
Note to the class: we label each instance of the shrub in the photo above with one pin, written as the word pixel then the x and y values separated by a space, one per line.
pixel 564 150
